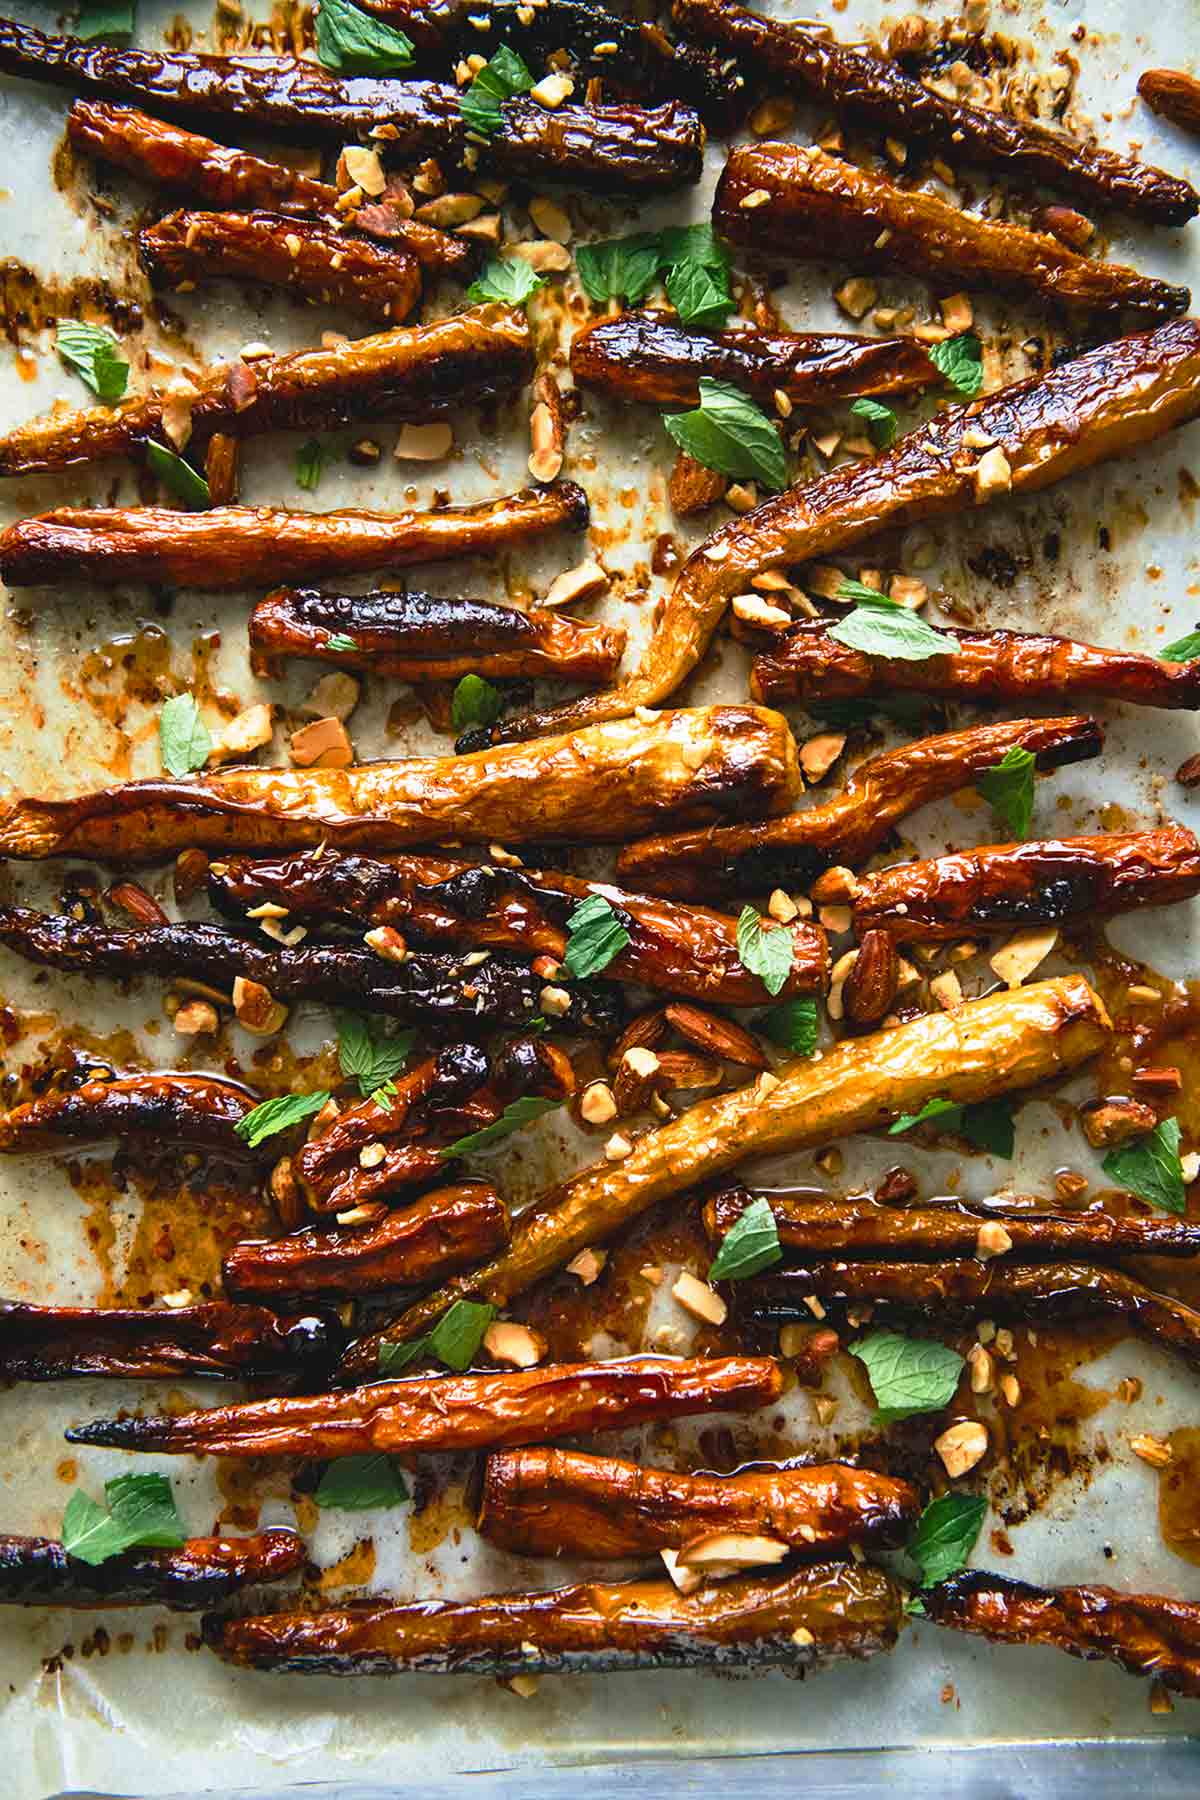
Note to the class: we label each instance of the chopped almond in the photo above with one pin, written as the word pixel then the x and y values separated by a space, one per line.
pixel 982 1369
pixel 545 435
pixel 772 116
pixel 597 1104
pixel 1010 1390
pixel 523 1686
pixel 961 1447
pixel 741 496
pixel 1152 1450
pixel 364 169
pixel 958 315
pixel 686 1580
pixel 449 210
pixel 424 443
pixel 257 1009
pixel 588 1265
pixel 386 942
pixel 550 218
pixel 906 590
pixel 993 474
pixel 335 697
pixel 1017 959
pixel 818 754
pixel 196 1018
pixel 248 731
pixel 543 255
pixel 754 199
pixel 552 90
pixel 324 745
pixel 585 582
pixel 752 609
pixel 782 907
pixel 732 1549
pixel 991 1240
pixel 486 229
pixel 555 1002
pixel 617 1148
pixel 696 1297
pixel 856 297
pixel 506 1342
pixel 371 1155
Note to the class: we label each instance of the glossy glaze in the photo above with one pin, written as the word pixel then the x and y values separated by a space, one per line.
pixel 197 1111
pixel 217 1338
pixel 38 1572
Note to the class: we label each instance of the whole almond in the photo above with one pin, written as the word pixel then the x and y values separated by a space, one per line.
pixel 871 985
pixel 715 1036
pixel 645 1032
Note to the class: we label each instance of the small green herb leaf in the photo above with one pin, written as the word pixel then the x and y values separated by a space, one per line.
pixel 908 1375
pixel 680 244
pixel 367 1055
pixel 511 281
pixel 880 422
pixel 945 1535
pixel 700 295
pixel 475 702
pixel 499 80
pixel 140 1510
pixel 93 352
pixel 339 641
pixel 619 268
pixel 184 740
pixel 277 1114
pixel 351 40
pixel 960 360
pixel 793 1026
pixel 1184 649
pixel 104 18
pixel 177 475
pixel 353 1483
pixel 1008 789
pixel 310 464
pixel 767 951
pixel 729 433
pixel 516 1114
pixel 1151 1168
pixel 456 1337
pixel 749 1246
pixel 595 935
pixel 880 627
pixel 988 1125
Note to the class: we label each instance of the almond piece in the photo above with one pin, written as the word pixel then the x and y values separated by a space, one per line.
pixel 585 582
pixel 449 210
pixel 1115 1121
pixel 386 942
pixel 550 218
pixel 686 1580
pixel 543 255
pixel 245 733
pixel 870 988
pixel 257 1009
pixel 856 297
pixel 552 90
pixel 137 903
pixel 692 488
pixel 993 474
pixel 696 1297
pixel 1151 1450
pixel 335 697
pixel 714 1035
pixel 195 1019
pixel 324 744
pixel 732 1549
pixel 506 1342
pixel 753 610
pixel 1017 959
pixel 424 443
pixel 961 1447
pixel 991 1240
pixel 635 1079
pixel 597 1105
pixel 818 754
pixel 364 169
pixel 588 1265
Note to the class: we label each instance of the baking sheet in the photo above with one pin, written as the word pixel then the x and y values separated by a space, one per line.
pixel 135 1707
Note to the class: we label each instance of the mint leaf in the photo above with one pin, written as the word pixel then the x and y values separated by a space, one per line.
pixel 1151 1168
pixel 456 1337
pixel 749 1246
pixel 880 422
pixel 960 360
pixel 140 1510
pixel 1184 649
pixel 354 41
pixel 516 1114
pixel 177 475
pixel 988 1125
pixel 729 433
pixel 499 80
pixel 338 640
pixel 511 281
pixel 767 951
pixel 277 1114
pixel 619 268
pixel 104 18
pixel 908 1375
pixel 1008 789
pixel 880 627
pixel 945 1535
pixel 143 1508
pixel 700 296
pixel 310 464
pixel 793 1026
pixel 353 1483
pixel 184 740
pixel 595 935
pixel 92 351
pixel 367 1055
pixel 475 702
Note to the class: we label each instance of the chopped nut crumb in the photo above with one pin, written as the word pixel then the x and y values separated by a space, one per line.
pixel 544 255
pixel 424 443
pixel 550 218
pixel 386 942
pixel 818 754
pixel 618 1147
pixel 588 1265
pixel 1152 1450
pixel 597 1104
pixel 1010 1389
pixel 1017 959
pixel 782 907
pixel 982 1369
pixel 993 474
pixel 506 1342
pixel 752 609
pixel 696 1297
pixel 857 296
pixel 552 90
pixel 196 1018
pixel 555 1001
pixel 371 1155
pixel 586 582
pixel 324 744
pixel 962 1446
pixel 991 1240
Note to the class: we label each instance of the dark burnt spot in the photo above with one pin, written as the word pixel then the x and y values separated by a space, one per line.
pixel 997 564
